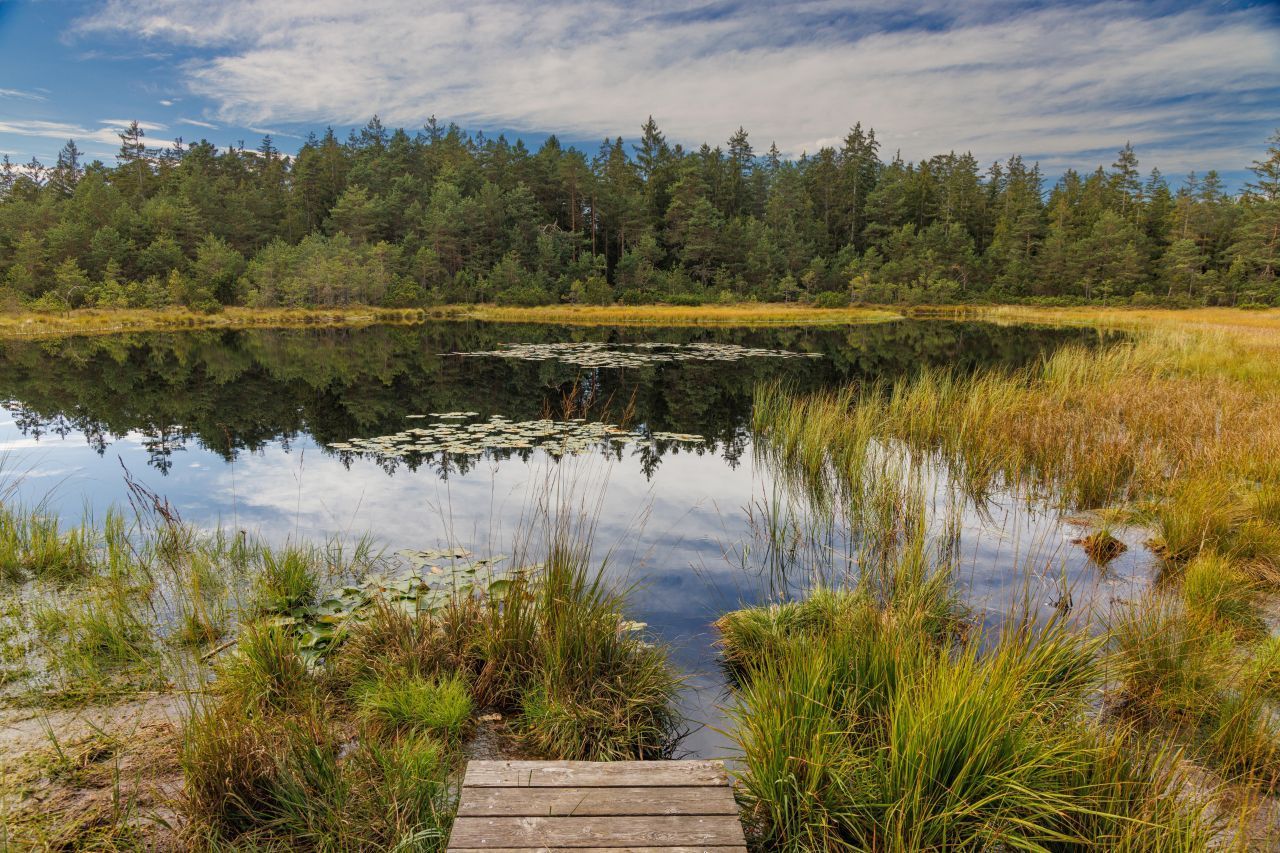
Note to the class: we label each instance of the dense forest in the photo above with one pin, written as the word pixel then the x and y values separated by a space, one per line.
pixel 399 219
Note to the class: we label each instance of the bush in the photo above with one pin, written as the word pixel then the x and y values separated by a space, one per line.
pixel 831 299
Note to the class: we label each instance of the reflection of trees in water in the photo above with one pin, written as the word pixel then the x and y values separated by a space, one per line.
pixel 238 390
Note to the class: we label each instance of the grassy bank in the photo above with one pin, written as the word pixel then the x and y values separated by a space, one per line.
pixel 1173 430
pixel 743 314
pixel 29 324
pixel 865 725
pixel 323 695
pixel 93 321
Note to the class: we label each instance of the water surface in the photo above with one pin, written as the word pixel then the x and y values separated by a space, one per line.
pixel 234 428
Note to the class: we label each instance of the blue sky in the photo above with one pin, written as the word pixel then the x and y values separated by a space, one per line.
pixel 1191 85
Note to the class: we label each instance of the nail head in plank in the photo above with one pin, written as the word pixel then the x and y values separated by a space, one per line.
pixel 587 802
pixel 565 774
pixel 649 831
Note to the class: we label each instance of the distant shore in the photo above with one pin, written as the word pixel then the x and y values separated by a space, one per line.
pixel 31 324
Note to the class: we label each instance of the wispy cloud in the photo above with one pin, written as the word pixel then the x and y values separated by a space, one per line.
pixel 107 133
pixel 21 95
pixel 197 123
pixel 988 76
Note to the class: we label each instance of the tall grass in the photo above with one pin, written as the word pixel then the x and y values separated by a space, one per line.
pixel 360 750
pixel 1173 428
pixel 861 728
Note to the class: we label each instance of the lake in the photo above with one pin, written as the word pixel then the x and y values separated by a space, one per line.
pixel 446 432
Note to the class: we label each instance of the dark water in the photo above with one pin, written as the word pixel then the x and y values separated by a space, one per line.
pixel 233 426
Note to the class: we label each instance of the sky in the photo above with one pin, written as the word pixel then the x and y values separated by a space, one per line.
pixel 1191 85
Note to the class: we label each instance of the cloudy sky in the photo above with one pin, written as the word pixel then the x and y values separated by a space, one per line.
pixel 1191 85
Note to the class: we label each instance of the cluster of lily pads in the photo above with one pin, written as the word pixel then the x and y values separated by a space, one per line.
pixel 599 354
pixel 451 434
pixel 431 579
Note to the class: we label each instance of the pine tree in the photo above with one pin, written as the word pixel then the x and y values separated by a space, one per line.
pixel 133 158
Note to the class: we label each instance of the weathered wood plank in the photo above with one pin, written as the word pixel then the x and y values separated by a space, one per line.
pixel 569 774
pixel 587 802
pixel 598 849
pixel 650 831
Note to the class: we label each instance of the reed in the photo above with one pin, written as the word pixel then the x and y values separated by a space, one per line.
pixel 862 729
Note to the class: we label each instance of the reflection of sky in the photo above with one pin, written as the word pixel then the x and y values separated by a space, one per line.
pixel 677 534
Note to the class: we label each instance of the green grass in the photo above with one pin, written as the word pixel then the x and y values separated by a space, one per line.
pixel 1218 592
pixel 1172 428
pixel 361 749
pixel 416 706
pixel 35 546
pixel 867 732
pixel 288 579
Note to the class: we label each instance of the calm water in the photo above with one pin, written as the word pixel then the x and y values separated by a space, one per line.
pixel 234 427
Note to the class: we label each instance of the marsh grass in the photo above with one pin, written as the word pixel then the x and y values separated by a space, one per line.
pixel 288 580
pixel 1172 428
pixel 416 706
pixel 862 729
pixel 90 321
pixel 34 545
pixel 360 748
pixel 745 314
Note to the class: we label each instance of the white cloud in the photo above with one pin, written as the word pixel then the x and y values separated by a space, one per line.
pixel 197 123
pixel 997 79
pixel 20 94
pixel 107 133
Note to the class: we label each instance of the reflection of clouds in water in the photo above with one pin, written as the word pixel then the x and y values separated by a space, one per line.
pixel 677 534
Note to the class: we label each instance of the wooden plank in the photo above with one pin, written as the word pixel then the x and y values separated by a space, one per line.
pixel 586 802
pixel 576 774
pixel 598 849
pixel 650 831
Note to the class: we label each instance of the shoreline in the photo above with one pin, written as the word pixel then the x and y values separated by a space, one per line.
pixel 92 321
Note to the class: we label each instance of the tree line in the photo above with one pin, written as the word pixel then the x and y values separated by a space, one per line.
pixel 398 219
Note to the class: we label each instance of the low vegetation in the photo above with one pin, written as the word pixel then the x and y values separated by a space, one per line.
pixel 100 321
pixel 1172 429
pixel 330 692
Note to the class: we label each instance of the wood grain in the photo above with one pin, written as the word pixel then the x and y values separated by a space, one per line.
pixel 587 802
pixel 649 831
pixel 703 849
pixel 618 774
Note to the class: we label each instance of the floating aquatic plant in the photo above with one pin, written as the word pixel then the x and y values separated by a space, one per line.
pixel 452 435
pixel 599 354
pixel 433 579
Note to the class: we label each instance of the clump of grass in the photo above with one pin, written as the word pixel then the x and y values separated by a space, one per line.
pixel 865 734
pixel 415 705
pixel 265 671
pixel 557 647
pixel 34 546
pixel 1182 675
pixel 1102 547
pixel 287 580
pixel 1217 592
pixel 235 761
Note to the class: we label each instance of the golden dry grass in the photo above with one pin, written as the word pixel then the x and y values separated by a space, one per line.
pixel 92 321
pixel 741 314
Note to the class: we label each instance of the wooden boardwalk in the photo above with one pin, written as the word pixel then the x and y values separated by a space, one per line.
pixel 590 806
